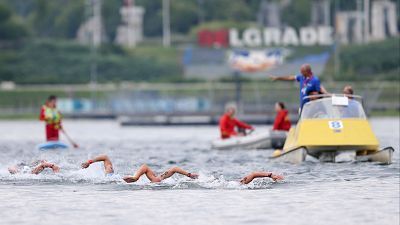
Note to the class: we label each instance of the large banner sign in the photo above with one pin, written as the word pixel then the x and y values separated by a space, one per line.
pixel 255 37
pixel 256 60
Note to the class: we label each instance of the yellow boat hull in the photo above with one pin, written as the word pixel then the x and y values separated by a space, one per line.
pixel 326 137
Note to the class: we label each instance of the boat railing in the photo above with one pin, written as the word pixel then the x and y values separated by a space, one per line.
pixel 357 97
pixel 320 106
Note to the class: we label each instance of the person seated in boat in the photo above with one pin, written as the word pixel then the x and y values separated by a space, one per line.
pixel 317 110
pixel 352 109
pixel 108 167
pixel 247 179
pixel 282 121
pixel 35 167
pixel 228 123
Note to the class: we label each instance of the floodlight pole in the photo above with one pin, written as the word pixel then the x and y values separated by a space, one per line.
pixel 96 14
pixel 366 21
pixel 238 91
pixel 166 23
pixel 336 61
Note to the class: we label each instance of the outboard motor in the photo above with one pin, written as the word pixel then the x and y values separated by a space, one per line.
pixel 278 139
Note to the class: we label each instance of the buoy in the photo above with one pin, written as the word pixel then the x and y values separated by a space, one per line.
pixel 276 153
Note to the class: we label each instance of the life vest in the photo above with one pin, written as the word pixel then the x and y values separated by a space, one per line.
pixel 52 116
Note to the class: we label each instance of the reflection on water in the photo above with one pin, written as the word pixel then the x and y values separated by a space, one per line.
pixel 313 193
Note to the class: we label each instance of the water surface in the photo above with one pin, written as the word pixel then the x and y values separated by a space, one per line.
pixel 313 193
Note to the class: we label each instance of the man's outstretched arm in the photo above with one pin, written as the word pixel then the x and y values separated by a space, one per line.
pixel 247 179
pixel 285 78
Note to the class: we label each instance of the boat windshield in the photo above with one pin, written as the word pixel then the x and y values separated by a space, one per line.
pixel 333 107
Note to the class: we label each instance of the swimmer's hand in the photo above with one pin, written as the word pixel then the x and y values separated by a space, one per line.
pixel 55 168
pixel 85 165
pixel 129 179
pixel 276 177
pixel 193 175
pixel 246 179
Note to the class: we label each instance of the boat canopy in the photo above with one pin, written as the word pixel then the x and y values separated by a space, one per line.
pixel 335 106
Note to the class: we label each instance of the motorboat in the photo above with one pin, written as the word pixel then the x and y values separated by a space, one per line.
pixel 266 139
pixel 333 128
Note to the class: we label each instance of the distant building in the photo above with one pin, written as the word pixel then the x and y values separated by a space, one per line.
pixel 320 13
pixel 269 14
pixel 374 23
pixel 92 30
pixel 349 27
pixel 383 20
pixel 130 32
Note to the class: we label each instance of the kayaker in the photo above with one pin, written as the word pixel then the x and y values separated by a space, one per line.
pixel 50 114
pixel 308 83
pixel 34 167
pixel 282 121
pixel 228 123
pixel 53 118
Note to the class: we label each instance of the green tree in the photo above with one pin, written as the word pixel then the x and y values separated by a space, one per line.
pixel 10 27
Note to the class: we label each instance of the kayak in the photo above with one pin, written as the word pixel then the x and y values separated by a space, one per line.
pixel 52 145
pixel 267 139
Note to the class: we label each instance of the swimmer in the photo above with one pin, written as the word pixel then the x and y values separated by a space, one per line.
pixel 108 167
pixel 145 170
pixel 247 179
pixel 35 167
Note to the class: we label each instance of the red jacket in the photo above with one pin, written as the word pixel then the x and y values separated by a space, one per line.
pixel 53 122
pixel 227 126
pixel 282 121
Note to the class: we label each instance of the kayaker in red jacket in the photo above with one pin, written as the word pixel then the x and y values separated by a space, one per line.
pixel 50 114
pixel 228 122
pixel 282 121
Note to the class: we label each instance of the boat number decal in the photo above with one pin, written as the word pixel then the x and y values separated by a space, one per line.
pixel 336 125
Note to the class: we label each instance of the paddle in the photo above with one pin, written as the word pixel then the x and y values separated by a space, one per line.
pixel 69 139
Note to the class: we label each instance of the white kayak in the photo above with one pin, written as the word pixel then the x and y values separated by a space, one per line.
pixel 266 139
pixel 52 145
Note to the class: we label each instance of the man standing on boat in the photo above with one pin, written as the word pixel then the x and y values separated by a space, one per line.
pixel 52 117
pixel 308 83
pixel 228 123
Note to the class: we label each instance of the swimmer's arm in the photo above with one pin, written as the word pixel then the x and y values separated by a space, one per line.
pixel 247 179
pixel 285 78
pixel 45 165
pixel 176 169
pixel 13 169
pixel 100 158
